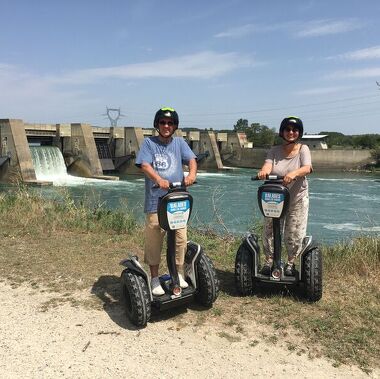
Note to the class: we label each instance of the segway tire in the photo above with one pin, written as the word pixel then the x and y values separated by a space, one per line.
pixel 244 271
pixel 312 274
pixel 136 296
pixel 207 282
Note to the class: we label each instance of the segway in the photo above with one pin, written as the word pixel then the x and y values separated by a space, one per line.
pixel 174 211
pixel 273 199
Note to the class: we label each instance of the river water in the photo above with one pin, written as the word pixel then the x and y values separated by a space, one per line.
pixel 342 205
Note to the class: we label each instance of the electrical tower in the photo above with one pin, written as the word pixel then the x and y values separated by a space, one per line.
pixel 113 115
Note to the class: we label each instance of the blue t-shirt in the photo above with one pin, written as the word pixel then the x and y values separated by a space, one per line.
pixel 166 160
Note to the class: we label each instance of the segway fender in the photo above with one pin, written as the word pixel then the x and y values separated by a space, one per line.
pixel 307 245
pixel 251 242
pixel 192 256
pixel 132 264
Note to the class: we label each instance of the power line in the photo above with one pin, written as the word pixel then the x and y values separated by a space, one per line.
pixel 283 107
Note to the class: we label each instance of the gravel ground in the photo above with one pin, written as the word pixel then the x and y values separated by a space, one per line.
pixel 73 342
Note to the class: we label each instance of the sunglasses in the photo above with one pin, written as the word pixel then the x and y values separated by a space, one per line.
pixel 294 130
pixel 162 122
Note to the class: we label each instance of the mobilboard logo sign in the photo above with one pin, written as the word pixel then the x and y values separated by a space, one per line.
pixel 178 213
pixel 272 204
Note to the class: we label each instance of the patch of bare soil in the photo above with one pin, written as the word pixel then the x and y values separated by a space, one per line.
pixel 43 335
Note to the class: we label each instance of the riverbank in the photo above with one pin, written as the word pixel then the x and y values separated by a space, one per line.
pixel 60 278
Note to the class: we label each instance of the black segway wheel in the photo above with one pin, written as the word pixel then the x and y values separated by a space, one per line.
pixel 207 282
pixel 244 270
pixel 136 296
pixel 312 274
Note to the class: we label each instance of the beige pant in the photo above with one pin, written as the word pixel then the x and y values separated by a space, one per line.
pixel 154 237
pixel 293 226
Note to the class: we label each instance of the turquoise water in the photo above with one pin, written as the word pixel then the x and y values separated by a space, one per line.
pixel 342 205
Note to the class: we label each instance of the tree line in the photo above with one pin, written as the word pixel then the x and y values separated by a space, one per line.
pixel 263 136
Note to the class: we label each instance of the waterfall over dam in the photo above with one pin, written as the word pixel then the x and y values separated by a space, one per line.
pixel 48 163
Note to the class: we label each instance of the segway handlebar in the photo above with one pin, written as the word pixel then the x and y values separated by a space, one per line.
pixel 268 177
pixel 173 185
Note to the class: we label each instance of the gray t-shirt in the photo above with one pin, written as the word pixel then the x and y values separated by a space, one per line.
pixel 283 165
pixel 167 160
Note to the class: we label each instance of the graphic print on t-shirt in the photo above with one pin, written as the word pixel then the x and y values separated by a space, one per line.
pixel 164 162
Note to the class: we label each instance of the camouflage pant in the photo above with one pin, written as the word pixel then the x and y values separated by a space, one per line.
pixel 293 227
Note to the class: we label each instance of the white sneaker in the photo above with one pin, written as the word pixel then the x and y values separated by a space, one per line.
pixel 157 290
pixel 182 282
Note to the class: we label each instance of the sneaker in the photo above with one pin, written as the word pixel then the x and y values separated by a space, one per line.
pixel 290 269
pixel 157 290
pixel 182 282
pixel 265 270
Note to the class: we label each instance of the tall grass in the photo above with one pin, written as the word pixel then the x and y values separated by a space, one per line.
pixel 23 210
pixel 361 256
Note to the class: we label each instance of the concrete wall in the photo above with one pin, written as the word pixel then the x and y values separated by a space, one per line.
pixel 340 159
pixel 322 159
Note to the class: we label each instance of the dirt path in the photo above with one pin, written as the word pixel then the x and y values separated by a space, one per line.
pixel 73 342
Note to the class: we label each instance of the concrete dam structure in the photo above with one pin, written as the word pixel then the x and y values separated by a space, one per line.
pixel 91 152
pixel 87 151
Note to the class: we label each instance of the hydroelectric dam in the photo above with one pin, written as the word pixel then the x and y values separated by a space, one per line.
pixel 91 152
pixel 80 149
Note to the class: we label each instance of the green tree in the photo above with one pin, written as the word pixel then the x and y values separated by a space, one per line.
pixel 260 135
pixel 336 139
pixel 241 125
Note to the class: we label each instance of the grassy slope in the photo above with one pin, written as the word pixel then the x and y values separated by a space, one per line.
pixel 68 247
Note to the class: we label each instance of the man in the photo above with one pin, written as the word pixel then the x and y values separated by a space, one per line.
pixel 160 159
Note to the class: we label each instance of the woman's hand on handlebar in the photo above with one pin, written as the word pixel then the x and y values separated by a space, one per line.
pixel 288 178
pixel 262 174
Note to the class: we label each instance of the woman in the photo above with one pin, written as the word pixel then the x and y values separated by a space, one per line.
pixel 292 160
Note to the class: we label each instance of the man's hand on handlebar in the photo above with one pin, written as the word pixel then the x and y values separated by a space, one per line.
pixel 189 180
pixel 163 184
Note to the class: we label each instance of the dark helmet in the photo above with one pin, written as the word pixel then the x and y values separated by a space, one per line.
pixel 294 121
pixel 168 113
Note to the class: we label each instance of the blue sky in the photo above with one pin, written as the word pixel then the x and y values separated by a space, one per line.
pixel 214 61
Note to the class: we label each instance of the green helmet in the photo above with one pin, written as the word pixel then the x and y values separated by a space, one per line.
pixel 166 112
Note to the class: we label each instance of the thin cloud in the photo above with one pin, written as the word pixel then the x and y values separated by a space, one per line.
pixel 372 72
pixel 202 65
pixel 248 29
pixel 362 54
pixel 237 32
pixel 322 90
pixel 327 27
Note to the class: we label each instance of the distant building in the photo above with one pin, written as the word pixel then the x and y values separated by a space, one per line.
pixel 244 143
pixel 315 141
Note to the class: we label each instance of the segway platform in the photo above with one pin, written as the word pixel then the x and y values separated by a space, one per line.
pixel 168 300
